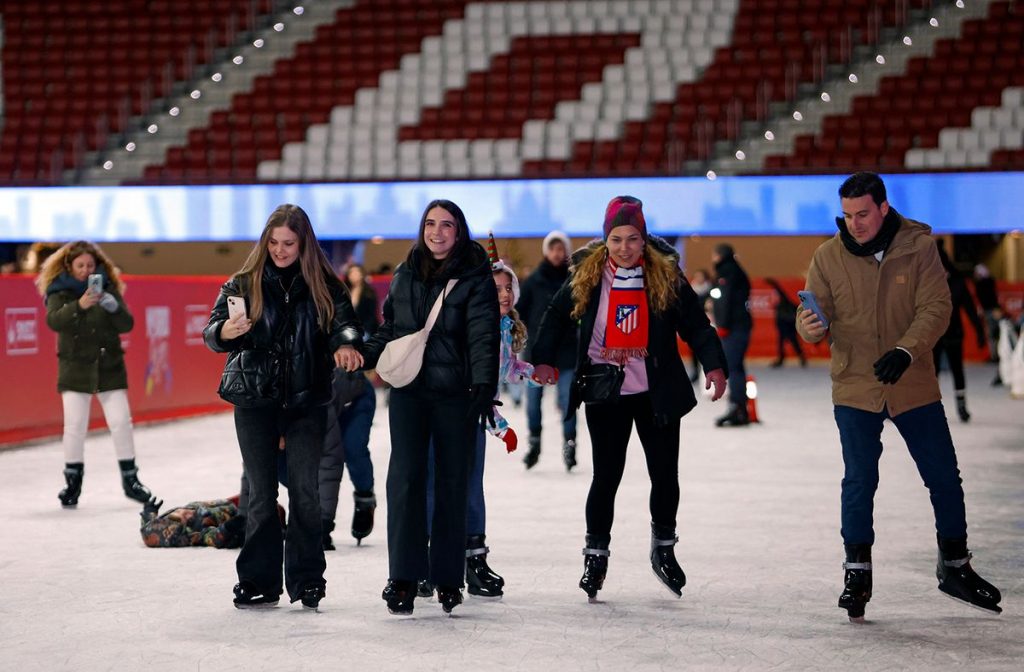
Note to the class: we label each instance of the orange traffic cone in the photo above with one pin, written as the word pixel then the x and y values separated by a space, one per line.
pixel 752 399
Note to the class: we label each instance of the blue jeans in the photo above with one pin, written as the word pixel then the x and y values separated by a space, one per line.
pixel 735 345
pixel 534 396
pixel 926 433
pixel 476 509
pixel 355 424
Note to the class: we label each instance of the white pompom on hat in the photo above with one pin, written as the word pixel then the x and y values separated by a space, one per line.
pixel 556 236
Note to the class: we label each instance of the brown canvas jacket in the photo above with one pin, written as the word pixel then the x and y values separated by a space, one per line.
pixel 873 307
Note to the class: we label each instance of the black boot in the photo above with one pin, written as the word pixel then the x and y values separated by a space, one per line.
pixel 857 591
pixel 595 566
pixel 481 580
pixel 569 454
pixel 449 598
pixel 424 589
pixel 73 472
pixel 311 596
pixel 736 417
pixel 248 596
pixel 326 527
pixel 961 406
pixel 533 454
pixel 663 559
pixel 133 488
pixel 959 581
pixel 362 515
pixel 399 596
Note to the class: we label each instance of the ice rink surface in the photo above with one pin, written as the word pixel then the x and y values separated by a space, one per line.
pixel 759 541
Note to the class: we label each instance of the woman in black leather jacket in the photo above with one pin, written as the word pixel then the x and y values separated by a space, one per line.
pixel 455 388
pixel 298 325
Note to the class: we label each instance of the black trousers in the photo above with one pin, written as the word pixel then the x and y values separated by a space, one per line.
pixel 954 349
pixel 610 426
pixel 259 431
pixel 416 419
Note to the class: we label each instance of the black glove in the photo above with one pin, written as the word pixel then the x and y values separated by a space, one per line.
pixel 482 403
pixel 891 366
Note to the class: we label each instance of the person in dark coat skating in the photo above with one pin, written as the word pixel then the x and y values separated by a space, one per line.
pixel 732 319
pixel 632 303
pixel 537 291
pixel 453 392
pixel 298 325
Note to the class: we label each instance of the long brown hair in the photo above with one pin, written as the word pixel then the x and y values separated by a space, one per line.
pixel 316 269
pixel 60 262
pixel 660 277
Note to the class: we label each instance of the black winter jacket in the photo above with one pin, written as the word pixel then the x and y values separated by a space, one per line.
pixel 731 311
pixel 286 359
pixel 463 346
pixel 671 393
pixel 538 288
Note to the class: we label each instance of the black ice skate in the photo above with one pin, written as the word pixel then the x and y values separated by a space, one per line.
pixel 569 454
pixel 311 596
pixel 533 454
pixel 362 515
pixel 73 472
pixel 663 559
pixel 481 580
pixel 959 581
pixel 425 589
pixel 857 589
pixel 248 596
pixel 133 487
pixel 449 598
pixel 961 406
pixel 595 567
pixel 399 596
pixel 735 417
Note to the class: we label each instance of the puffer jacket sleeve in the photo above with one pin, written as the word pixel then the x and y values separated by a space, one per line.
pixel 556 321
pixel 122 319
pixel 345 327
pixel 218 316
pixel 695 328
pixel 932 305
pixel 483 336
pixel 62 312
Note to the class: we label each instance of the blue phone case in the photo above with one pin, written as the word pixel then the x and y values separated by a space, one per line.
pixel 809 302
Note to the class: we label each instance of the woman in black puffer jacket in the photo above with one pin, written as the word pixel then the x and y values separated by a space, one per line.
pixel 455 388
pixel 299 324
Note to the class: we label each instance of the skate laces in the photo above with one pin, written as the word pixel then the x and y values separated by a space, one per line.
pixel 597 551
pixel 957 564
pixel 857 565
pixel 482 550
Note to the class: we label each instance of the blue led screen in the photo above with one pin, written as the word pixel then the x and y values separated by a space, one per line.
pixel 761 205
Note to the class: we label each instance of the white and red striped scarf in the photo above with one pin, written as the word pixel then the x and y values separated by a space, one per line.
pixel 626 331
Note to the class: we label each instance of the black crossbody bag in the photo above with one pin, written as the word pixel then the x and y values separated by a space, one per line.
pixel 600 383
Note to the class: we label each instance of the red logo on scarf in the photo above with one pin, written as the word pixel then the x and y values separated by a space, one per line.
pixel 627 311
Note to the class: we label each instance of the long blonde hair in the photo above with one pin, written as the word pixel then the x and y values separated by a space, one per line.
pixel 316 269
pixel 660 277
pixel 518 331
pixel 61 260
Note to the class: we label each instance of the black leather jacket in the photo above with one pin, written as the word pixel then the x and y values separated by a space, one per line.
pixel 463 346
pixel 286 359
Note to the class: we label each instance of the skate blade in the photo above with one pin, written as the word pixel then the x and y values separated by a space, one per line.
pixel 398 612
pixel 592 599
pixel 678 595
pixel 263 605
pixel 995 611
pixel 859 620
pixel 315 609
pixel 486 598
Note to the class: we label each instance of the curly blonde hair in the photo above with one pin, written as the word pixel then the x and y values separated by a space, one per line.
pixel 518 331
pixel 660 279
pixel 61 260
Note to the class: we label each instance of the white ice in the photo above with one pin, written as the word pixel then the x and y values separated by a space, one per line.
pixel 759 541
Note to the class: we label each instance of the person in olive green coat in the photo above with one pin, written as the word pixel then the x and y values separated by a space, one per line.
pixel 84 305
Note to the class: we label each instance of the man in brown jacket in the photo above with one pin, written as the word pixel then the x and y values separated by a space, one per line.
pixel 882 291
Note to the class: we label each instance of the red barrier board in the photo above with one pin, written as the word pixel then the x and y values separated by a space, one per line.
pixel 171 373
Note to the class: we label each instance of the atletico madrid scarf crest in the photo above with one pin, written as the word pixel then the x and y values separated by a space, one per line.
pixel 626 332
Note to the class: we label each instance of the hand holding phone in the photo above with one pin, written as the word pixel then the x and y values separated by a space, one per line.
pixel 237 323
pixel 236 307
pixel 810 302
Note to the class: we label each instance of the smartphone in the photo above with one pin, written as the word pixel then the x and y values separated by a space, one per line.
pixel 810 302
pixel 236 307
pixel 95 284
